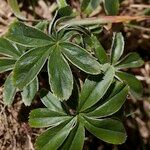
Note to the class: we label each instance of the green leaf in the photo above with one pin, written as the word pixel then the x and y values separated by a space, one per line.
pixel 112 105
pixel 117 47
pixel 7 49
pixel 42 25
pixel 6 64
pixel 51 101
pixel 88 6
pixel 84 4
pixel 15 8
pixel 99 50
pixel 53 138
pixel 9 91
pixel 108 130
pixel 135 86
pixel 29 65
pixel 132 60
pixel 63 13
pixel 95 88
pixel 79 56
pixel 27 35
pixel 62 3
pixel 111 7
pixel 117 86
pixel 75 140
pixel 44 117
pixel 22 49
pixel 29 92
pixel 60 75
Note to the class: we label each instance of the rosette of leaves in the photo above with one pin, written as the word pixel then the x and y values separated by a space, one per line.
pixel 66 127
pixel 9 54
pixel 131 60
pixel 55 49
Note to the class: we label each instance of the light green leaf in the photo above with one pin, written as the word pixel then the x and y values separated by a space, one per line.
pixel 28 36
pixel 117 47
pixel 7 49
pixel 6 64
pixel 95 88
pixel 42 25
pixel 53 138
pixel 51 101
pixel 135 86
pixel 99 50
pixel 15 8
pixel 108 130
pixel 29 65
pixel 61 3
pixel 75 140
pixel 44 117
pixel 81 58
pixel 9 91
pixel 60 75
pixel 132 60
pixel 29 92
pixel 112 105
pixel 111 7
pixel 88 6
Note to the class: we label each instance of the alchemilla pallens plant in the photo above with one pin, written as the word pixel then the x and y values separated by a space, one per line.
pixel 61 48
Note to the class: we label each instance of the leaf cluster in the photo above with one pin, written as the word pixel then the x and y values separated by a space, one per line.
pixel 25 51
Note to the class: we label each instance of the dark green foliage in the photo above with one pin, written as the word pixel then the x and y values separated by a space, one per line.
pixel 70 107
pixel 65 127
pixel 132 60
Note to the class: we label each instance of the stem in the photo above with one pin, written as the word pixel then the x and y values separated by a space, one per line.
pixel 138 27
pixel 103 20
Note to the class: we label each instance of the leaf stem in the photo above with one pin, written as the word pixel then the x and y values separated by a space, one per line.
pixel 103 20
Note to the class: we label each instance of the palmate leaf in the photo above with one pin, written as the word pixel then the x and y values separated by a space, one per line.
pixel 60 75
pixel 30 63
pixel 98 87
pixel 117 47
pixel 67 131
pixel 108 130
pixel 132 60
pixel 135 86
